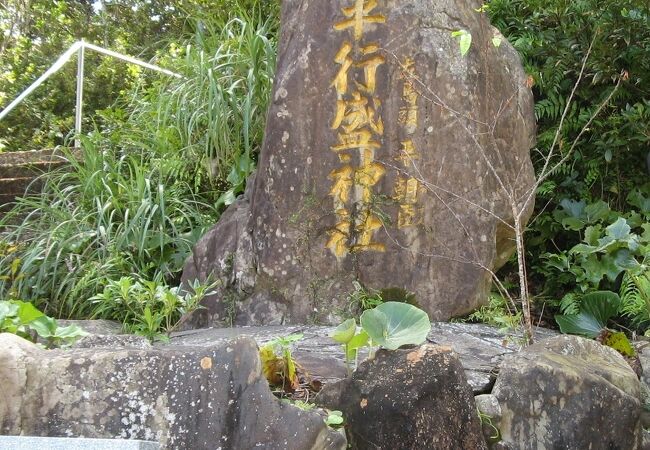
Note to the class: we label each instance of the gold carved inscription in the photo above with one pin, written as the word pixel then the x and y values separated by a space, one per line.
pixel 407 189
pixel 357 16
pixel 359 130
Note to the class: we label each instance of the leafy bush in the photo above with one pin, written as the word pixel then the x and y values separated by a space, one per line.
pixel 144 307
pixel 553 37
pixel 208 125
pixel 108 216
pixel 604 253
pixel 607 172
pixel 34 33
pixel 147 185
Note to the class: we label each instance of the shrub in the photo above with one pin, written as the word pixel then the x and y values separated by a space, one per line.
pixel 607 173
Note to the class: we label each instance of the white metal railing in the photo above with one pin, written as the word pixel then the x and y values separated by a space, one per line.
pixel 79 48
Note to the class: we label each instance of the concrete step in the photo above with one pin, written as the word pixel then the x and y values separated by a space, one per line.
pixel 31 170
pixel 33 156
pixel 18 170
pixel 18 186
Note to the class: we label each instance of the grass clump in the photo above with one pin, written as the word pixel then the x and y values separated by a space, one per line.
pixel 146 185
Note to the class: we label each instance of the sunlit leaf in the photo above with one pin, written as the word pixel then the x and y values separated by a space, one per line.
pixel 394 324
pixel 345 331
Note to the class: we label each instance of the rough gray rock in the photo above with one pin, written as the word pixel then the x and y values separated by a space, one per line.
pixel 95 327
pixel 389 158
pixel 112 341
pixel 411 399
pixel 183 397
pixel 569 393
pixel 480 348
pixel 490 410
pixel 643 352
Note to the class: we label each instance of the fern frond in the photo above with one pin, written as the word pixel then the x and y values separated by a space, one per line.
pixel 635 297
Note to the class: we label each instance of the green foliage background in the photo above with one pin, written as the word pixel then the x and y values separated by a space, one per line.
pixel 33 33
pixel 165 155
pixel 606 179
pixel 154 172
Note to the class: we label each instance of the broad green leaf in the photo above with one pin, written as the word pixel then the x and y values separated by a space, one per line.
pixel 558 261
pixel 465 43
pixel 28 312
pixel 602 305
pixel 496 41
pixel 596 309
pixel 44 326
pixel 334 418
pixel 625 260
pixel 465 40
pixel 573 223
pixel 394 324
pixel 592 234
pixel 619 230
pixel 573 208
pixel 7 309
pixel 580 324
pixel 636 198
pixel 69 333
pixel 592 268
pixel 358 341
pixel 583 249
pixel 345 331
pixel 597 211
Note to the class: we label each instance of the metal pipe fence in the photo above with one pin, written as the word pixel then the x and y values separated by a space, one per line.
pixel 79 48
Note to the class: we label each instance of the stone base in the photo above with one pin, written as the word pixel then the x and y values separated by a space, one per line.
pixel 50 443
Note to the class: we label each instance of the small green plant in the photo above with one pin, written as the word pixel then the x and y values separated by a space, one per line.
pixel 147 308
pixel 25 320
pixel 390 325
pixel 278 365
pixel 352 339
pixel 635 298
pixel 497 313
pixel 596 309
pixel 334 419
pixel 300 404
pixel 362 299
pixel 486 421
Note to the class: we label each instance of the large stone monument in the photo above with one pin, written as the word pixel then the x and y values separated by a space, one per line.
pixel 389 158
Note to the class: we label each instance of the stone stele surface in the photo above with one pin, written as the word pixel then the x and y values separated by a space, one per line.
pixel 389 158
